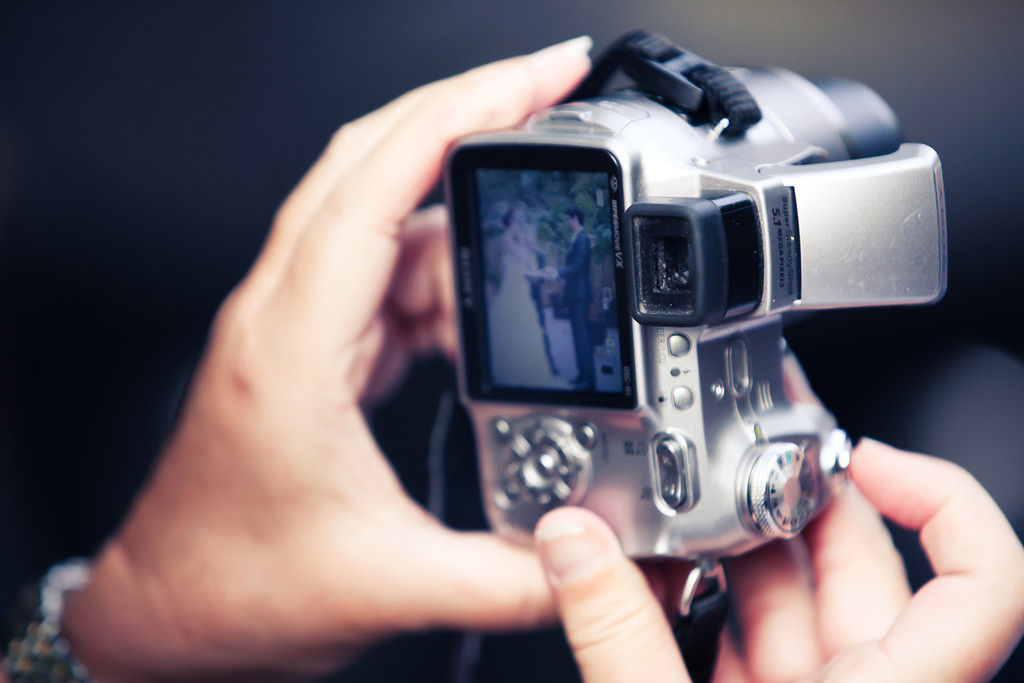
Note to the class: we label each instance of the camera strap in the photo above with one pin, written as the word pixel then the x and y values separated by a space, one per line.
pixel 701 618
pixel 705 92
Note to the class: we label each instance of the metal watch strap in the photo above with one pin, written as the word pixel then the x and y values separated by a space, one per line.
pixel 38 651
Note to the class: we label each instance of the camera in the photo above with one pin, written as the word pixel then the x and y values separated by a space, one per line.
pixel 622 264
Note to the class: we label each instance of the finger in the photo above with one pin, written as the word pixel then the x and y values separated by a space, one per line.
pixel 798 387
pixel 421 302
pixel 775 604
pixel 402 574
pixel 962 624
pixel 861 581
pixel 615 625
pixel 343 261
pixel 347 148
pixel 730 667
pixel 419 312
pixel 478 581
pixel 352 142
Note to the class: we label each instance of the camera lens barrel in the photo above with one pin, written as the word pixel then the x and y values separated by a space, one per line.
pixel 872 128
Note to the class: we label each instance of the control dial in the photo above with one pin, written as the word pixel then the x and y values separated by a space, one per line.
pixel 781 489
pixel 544 461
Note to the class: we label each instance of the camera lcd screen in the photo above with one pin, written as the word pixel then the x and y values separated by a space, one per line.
pixel 538 233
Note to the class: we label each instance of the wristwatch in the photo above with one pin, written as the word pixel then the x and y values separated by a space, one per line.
pixel 38 652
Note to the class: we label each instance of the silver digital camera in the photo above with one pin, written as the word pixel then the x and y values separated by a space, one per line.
pixel 622 263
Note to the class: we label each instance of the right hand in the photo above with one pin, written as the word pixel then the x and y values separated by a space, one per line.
pixel 831 605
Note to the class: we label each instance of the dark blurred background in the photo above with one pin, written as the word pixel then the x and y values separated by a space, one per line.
pixel 144 148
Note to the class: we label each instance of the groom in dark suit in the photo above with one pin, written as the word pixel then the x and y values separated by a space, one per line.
pixel 576 295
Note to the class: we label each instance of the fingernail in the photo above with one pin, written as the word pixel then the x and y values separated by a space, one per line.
pixel 576 46
pixel 509 72
pixel 872 443
pixel 568 552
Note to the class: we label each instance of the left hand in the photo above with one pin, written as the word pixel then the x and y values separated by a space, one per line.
pixel 273 539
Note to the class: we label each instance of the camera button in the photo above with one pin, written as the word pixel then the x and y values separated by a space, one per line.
pixel 502 429
pixel 512 491
pixel 678 345
pixel 570 115
pixel 670 471
pixel 682 398
pixel 738 364
pixel 586 436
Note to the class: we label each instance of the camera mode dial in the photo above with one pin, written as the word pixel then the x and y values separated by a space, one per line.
pixel 781 489
pixel 545 461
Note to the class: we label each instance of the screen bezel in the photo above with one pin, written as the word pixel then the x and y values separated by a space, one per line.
pixel 469 266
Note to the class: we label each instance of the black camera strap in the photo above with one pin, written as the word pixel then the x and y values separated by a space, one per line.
pixel 705 92
pixel 701 618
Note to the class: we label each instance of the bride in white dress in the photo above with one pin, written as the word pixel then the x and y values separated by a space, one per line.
pixel 518 358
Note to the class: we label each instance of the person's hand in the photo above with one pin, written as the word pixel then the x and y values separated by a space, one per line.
pixel 831 605
pixel 273 538
pixel 834 605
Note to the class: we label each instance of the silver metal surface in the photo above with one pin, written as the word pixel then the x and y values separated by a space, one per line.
pixel 704 570
pixel 872 231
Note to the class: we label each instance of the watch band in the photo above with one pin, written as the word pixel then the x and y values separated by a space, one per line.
pixel 38 651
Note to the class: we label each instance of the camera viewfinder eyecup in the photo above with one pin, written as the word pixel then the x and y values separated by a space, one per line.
pixel 694 261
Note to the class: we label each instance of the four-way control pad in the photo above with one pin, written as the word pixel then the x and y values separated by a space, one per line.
pixel 544 460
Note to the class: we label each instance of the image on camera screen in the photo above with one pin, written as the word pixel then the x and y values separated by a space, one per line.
pixel 551 313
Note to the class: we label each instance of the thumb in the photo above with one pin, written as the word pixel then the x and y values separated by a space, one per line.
pixel 614 623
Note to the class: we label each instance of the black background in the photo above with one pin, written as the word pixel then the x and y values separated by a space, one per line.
pixel 144 148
